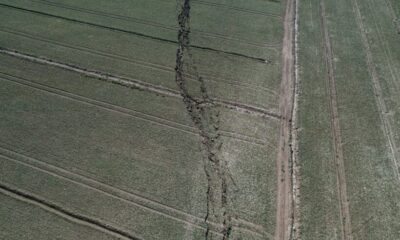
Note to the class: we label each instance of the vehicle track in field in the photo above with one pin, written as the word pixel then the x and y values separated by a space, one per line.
pixel 130 112
pixel 129 197
pixel 134 83
pixel 154 24
pixel 154 38
pixel 114 192
pixel 336 132
pixel 154 66
pixel 239 9
pixel 65 213
pixel 284 200
pixel 383 42
pixel 382 109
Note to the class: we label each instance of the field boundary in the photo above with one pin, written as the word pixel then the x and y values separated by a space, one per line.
pixel 336 132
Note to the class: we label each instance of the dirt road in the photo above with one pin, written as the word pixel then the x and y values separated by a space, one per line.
pixel 284 156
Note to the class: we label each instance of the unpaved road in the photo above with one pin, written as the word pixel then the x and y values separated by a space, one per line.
pixel 284 190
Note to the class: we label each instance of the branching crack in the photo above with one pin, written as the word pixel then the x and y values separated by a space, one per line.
pixel 205 116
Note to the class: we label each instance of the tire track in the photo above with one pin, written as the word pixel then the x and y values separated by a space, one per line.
pixel 234 54
pixel 239 9
pixel 137 84
pixel 125 111
pixel 65 213
pixel 129 197
pixel 211 77
pixel 387 127
pixel 284 208
pixel 154 24
pixel 394 72
pixel 336 132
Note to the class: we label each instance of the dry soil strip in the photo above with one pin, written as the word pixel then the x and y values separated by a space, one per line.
pixel 283 161
pixel 65 213
pixel 336 133
pixel 387 127
pixel 131 83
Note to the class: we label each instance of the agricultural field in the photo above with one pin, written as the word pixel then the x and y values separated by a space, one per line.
pixel 141 119
pixel 348 119
pixel 199 119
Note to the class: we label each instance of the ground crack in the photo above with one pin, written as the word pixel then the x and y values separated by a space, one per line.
pixel 205 116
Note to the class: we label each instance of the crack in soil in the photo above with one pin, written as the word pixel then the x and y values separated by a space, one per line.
pixel 205 116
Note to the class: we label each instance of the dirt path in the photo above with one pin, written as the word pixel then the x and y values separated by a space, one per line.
pixel 387 127
pixel 336 134
pixel 284 156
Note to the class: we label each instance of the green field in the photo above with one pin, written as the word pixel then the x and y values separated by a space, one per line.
pixel 105 159
pixel 363 40
pixel 199 119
